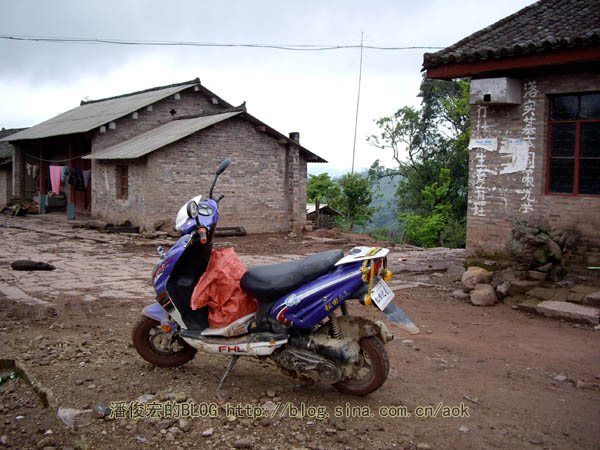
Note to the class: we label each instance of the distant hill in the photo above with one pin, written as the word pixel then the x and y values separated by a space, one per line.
pixel 386 214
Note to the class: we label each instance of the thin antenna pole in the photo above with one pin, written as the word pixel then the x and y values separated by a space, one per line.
pixel 357 100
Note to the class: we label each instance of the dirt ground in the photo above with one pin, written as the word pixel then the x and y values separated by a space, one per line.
pixel 474 377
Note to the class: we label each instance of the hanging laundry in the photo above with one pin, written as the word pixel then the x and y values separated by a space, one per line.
pixel 76 178
pixel 55 173
pixel 87 175
pixel 64 175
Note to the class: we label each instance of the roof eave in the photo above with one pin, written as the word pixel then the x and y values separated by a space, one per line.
pixel 310 156
pixel 474 68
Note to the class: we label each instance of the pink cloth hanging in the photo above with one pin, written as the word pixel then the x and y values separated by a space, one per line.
pixel 55 173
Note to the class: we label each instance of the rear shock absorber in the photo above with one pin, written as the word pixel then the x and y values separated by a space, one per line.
pixel 336 331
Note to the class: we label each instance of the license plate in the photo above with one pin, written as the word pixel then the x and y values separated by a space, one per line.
pixel 382 295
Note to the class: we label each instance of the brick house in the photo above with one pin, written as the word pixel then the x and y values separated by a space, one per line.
pixel 535 123
pixel 6 157
pixel 151 151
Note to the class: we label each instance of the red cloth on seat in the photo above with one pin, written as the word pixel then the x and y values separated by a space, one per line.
pixel 219 288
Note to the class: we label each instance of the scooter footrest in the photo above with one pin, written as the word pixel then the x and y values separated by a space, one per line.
pixel 245 339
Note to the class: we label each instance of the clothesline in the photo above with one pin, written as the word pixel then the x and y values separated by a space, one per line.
pixel 52 160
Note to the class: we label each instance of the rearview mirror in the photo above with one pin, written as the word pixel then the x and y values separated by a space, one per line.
pixel 224 165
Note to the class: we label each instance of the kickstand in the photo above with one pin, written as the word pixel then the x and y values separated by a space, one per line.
pixel 232 362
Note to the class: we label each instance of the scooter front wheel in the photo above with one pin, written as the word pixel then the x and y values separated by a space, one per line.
pixel 371 370
pixel 159 348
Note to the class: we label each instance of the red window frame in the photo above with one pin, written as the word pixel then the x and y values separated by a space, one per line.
pixel 578 123
pixel 122 182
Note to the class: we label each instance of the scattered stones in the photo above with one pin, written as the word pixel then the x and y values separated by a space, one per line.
pixel 569 311
pixel 503 288
pixel 475 275
pixel 146 398
pixel 269 405
pixel 271 393
pixel 471 399
pixel 101 411
pixel 208 432
pixel 483 295
pixel 460 294
pixel 408 342
pixel 423 446
pixel 46 442
pixel 560 378
pixel 587 385
pixel 184 425
pixel 463 429
pixel 243 443
pixel 68 415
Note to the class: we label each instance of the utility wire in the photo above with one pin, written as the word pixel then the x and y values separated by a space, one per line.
pixel 292 47
pixel 357 100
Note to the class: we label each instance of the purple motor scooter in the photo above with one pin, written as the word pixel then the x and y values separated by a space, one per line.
pixel 302 322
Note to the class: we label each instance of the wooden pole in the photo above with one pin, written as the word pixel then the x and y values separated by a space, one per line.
pixel 43 191
pixel 71 197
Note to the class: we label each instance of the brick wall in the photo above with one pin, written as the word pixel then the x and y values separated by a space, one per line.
pixel 257 187
pixel 502 189
pixel 5 185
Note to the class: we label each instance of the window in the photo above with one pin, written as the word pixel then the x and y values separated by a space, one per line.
pixel 574 145
pixel 122 182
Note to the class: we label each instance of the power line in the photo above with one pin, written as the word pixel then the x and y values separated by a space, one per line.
pixel 290 47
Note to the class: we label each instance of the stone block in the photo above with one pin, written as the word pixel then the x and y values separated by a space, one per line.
pixel 577 294
pixel 534 275
pixel 541 293
pixel 483 295
pixel 529 306
pixel 569 311
pixel 522 286
pixel 592 299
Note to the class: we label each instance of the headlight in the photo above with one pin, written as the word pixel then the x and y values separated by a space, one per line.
pixel 192 209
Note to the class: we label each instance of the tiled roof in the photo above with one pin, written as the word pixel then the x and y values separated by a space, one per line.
pixel 92 114
pixel 545 26
pixel 5 147
pixel 159 137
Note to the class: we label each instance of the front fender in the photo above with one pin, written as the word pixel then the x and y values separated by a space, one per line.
pixel 156 312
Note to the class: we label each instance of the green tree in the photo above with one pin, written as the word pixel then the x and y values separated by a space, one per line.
pixel 323 188
pixel 423 142
pixel 427 228
pixel 355 199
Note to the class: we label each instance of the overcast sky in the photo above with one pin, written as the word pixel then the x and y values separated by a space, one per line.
pixel 313 93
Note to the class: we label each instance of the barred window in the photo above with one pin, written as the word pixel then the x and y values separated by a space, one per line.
pixel 574 145
pixel 122 182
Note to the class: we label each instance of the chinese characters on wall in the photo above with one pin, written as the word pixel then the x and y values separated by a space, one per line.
pixel 528 132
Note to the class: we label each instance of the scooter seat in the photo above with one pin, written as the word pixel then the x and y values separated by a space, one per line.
pixel 269 283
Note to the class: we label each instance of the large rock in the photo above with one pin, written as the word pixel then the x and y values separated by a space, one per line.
pixel 474 276
pixel 455 272
pixel 569 311
pixel 592 299
pixel 483 295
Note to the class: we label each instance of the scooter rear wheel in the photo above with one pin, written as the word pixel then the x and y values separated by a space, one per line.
pixel 158 348
pixel 371 370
